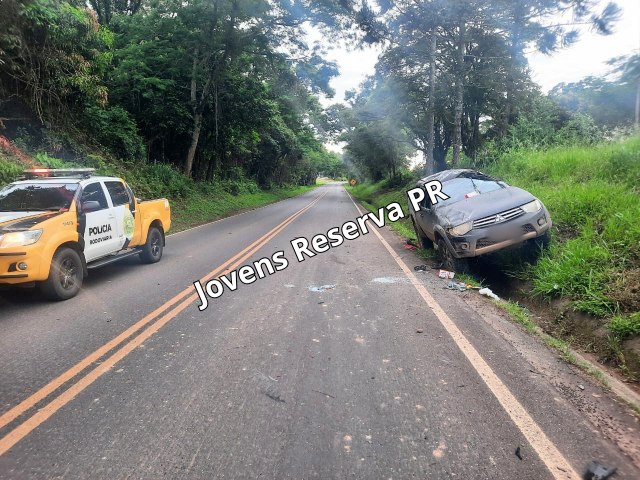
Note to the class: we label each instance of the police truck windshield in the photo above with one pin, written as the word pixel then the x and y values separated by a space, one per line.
pixel 28 197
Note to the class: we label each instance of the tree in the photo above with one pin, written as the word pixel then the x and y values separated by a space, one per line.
pixel 629 69
pixel 53 55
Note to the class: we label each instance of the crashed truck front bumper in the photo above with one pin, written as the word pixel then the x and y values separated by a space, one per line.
pixel 480 241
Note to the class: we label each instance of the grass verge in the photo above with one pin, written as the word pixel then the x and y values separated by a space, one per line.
pixel 593 265
pixel 192 203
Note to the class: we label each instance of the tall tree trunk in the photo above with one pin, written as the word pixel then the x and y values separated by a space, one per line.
pixel 638 105
pixel 195 136
pixel 459 98
pixel 514 69
pixel 429 163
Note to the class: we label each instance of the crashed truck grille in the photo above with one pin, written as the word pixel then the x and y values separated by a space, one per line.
pixel 484 242
pixel 499 218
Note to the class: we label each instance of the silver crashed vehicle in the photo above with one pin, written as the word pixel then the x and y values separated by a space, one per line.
pixel 481 215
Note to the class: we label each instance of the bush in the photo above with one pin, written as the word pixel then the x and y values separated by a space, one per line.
pixel 592 196
pixel 116 130
pixel 625 327
pixel 8 171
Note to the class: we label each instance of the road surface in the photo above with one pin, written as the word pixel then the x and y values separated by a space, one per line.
pixel 346 365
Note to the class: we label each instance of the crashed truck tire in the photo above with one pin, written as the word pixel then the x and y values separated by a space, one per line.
pixel 449 261
pixel 423 242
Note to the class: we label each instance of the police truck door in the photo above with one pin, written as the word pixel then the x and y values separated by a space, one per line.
pixel 99 222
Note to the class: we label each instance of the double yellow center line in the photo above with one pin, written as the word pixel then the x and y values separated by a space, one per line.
pixel 154 321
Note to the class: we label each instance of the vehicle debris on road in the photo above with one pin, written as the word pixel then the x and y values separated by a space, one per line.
pixel 598 471
pixel 460 286
pixel 519 452
pixel 446 274
pixel 488 293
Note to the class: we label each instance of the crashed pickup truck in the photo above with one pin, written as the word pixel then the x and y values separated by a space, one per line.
pixel 481 215
pixel 56 225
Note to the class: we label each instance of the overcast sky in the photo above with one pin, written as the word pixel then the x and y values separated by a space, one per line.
pixel 587 57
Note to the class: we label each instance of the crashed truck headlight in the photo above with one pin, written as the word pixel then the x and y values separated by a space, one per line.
pixel 20 239
pixel 532 207
pixel 461 229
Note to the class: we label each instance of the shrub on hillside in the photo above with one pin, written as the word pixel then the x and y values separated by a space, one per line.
pixel 116 130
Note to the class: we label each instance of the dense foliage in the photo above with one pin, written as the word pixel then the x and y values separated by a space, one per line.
pixel 453 80
pixel 217 88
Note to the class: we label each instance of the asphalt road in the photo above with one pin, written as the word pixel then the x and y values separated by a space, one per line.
pixel 316 371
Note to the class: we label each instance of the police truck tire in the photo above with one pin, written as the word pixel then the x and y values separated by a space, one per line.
pixel 65 275
pixel 152 250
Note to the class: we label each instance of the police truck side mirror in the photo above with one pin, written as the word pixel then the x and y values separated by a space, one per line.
pixel 90 206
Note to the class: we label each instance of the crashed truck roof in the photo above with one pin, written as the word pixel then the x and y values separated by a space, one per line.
pixel 446 175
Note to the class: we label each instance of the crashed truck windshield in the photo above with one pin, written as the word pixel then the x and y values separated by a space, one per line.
pixel 37 197
pixel 461 188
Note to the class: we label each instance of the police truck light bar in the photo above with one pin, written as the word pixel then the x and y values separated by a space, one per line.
pixel 58 172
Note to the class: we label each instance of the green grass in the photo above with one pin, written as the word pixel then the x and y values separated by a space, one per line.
pixel 377 195
pixel 519 314
pixel 623 327
pixel 192 203
pixel 198 209
pixel 593 197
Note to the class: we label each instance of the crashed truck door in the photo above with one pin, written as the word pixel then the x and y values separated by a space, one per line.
pixel 426 218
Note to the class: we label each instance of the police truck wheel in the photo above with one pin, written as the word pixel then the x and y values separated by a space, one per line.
pixel 152 250
pixel 65 276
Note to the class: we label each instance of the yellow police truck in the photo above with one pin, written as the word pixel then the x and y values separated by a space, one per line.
pixel 56 225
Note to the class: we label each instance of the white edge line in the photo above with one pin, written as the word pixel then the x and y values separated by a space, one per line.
pixel 555 462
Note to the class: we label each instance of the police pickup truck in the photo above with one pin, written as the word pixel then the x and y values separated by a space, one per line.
pixel 56 225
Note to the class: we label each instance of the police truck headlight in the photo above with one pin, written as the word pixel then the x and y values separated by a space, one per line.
pixel 20 239
pixel 532 207
pixel 461 229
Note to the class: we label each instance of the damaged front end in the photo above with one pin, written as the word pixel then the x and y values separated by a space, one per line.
pixel 490 233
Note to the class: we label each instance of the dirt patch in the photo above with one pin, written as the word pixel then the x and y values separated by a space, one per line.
pixel 584 332
pixel 625 290
pixel 10 149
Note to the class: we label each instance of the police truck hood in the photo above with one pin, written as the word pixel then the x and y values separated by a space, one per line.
pixel 12 221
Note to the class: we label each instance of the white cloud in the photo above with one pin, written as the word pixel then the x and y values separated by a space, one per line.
pixel 589 54
pixel 586 57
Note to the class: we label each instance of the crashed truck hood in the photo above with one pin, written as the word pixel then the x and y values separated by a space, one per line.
pixel 484 205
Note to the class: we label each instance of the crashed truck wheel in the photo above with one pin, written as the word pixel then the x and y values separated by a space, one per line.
pixel 423 242
pixel 449 261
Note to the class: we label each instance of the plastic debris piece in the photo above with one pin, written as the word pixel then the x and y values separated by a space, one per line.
pixel 436 266
pixel 451 285
pixel 598 471
pixel 409 247
pixel 446 274
pixel 519 452
pixel 420 268
pixel 488 293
